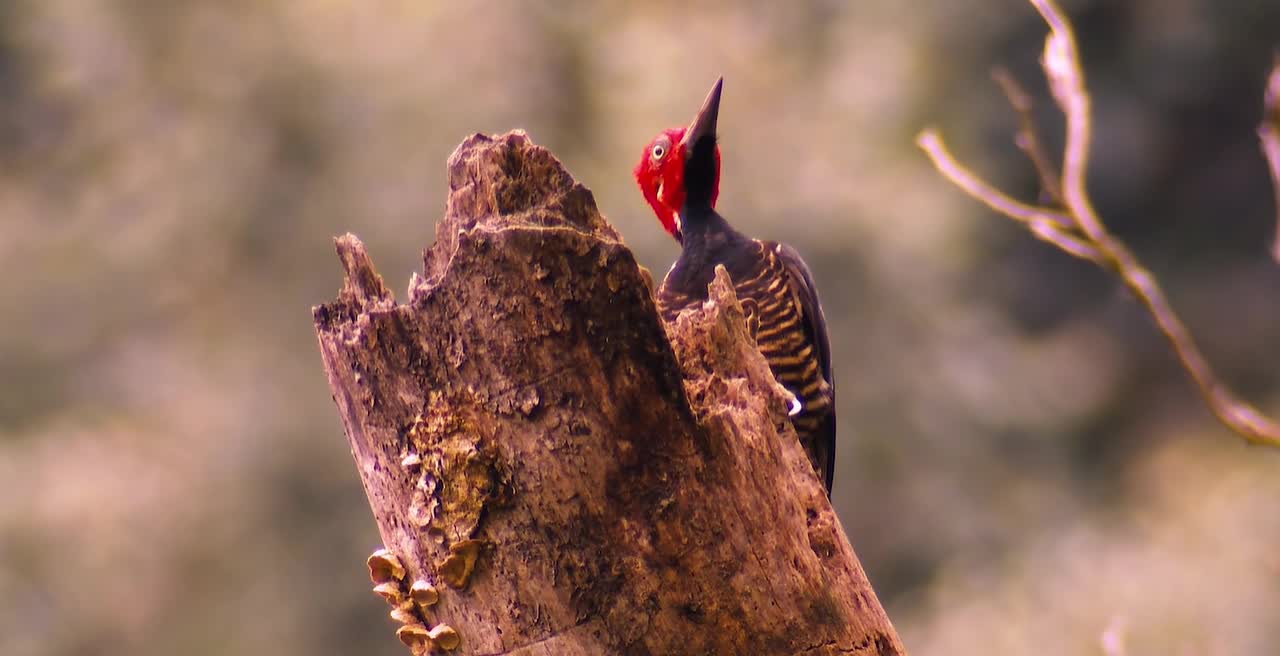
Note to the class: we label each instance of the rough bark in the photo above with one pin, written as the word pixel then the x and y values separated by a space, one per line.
pixel 532 449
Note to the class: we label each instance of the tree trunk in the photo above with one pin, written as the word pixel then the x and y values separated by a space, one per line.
pixel 537 459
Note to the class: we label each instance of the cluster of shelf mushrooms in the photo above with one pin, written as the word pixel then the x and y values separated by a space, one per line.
pixel 409 604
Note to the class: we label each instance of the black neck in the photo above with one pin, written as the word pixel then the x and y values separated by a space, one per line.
pixel 708 240
pixel 702 229
pixel 704 233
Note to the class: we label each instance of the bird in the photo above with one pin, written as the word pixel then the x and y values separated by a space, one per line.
pixel 679 176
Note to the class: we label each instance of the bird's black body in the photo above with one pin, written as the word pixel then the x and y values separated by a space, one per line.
pixel 777 293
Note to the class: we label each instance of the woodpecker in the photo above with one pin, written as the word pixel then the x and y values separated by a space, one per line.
pixel 679 175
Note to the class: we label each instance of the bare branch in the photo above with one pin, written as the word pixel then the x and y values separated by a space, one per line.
pixel 1028 138
pixel 1237 414
pixel 1061 64
pixel 1112 640
pixel 1082 233
pixel 1269 134
pixel 1049 225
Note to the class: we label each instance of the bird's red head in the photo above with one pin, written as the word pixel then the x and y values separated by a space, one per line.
pixel 660 172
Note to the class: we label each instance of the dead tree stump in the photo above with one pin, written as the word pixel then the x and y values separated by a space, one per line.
pixel 536 458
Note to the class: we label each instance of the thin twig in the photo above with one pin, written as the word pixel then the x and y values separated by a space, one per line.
pixel 1269 134
pixel 1113 637
pixel 1049 225
pixel 1062 66
pixel 1061 62
pixel 1028 138
pixel 1237 414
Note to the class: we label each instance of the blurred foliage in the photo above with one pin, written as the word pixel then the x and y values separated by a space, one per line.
pixel 1022 465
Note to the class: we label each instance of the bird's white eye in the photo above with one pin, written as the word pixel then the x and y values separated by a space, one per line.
pixel 659 150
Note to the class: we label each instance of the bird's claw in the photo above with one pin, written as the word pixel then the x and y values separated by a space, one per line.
pixel 795 405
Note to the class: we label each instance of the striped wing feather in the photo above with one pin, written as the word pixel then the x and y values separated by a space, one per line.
pixel 777 291
pixel 793 337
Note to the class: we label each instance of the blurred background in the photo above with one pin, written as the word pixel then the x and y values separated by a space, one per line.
pixel 1023 468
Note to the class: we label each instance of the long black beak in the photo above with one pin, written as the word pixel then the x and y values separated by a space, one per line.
pixel 704 124
pixel 701 168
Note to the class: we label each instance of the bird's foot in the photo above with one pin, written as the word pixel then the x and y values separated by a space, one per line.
pixel 794 406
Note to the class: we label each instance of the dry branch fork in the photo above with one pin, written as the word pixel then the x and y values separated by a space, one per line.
pixel 1077 229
